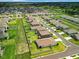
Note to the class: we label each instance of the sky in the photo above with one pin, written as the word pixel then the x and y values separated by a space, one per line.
pixel 39 0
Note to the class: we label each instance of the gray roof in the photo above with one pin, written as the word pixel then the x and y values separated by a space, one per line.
pixel 59 24
pixel 70 31
pixel 2 33
pixel 71 18
pixel 77 36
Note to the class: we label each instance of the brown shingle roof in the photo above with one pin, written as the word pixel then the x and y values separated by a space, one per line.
pixel 45 42
pixel 35 23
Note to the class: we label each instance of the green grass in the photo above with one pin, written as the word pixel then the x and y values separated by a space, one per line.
pixel 23 56
pixel 70 25
pixel 74 41
pixel 47 50
pixel 55 37
pixel 39 51
pixel 64 35
pixel 76 58
pixel 58 48
pixel 21 39
pixel 32 36
pixel 9 52
pixel 58 31
pixel 9 42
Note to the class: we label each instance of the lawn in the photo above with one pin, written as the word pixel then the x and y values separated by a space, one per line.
pixel 12 29
pixel 76 58
pixel 55 37
pixel 47 50
pixel 74 41
pixel 21 41
pixel 32 36
pixel 58 31
pixel 9 52
pixel 64 35
pixel 39 51
pixel 23 56
pixel 58 48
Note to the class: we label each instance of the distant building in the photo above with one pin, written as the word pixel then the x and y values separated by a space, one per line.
pixel 70 31
pixel 76 36
pixel 3 34
pixel 45 42
pixel 30 19
pixel 3 28
pixel 76 20
pixel 61 26
pixel 44 33
pixel 46 18
pixel 1 51
pixel 35 23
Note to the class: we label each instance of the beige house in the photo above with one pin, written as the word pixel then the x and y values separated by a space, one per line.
pixel 45 42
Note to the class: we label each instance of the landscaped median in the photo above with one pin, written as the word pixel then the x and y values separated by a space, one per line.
pixel 22 49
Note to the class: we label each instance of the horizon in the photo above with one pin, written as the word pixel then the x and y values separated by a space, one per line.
pixel 39 0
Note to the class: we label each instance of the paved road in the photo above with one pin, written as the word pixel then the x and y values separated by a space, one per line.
pixel 72 48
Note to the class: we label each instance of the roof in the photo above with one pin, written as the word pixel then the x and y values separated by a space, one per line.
pixel 70 18
pixel 46 18
pixel 70 31
pixel 30 18
pixel 34 22
pixel 62 25
pixel 2 33
pixel 77 36
pixel 41 28
pixel 45 42
pixel 43 33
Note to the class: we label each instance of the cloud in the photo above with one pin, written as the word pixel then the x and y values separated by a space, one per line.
pixel 18 0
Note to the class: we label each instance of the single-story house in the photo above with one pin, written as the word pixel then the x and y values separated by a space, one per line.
pixel 76 36
pixel 3 34
pixel 41 28
pixel 44 34
pixel 30 19
pixel 35 23
pixel 76 20
pixel 61 26
pixel 45 42
pixel 1 51
pixel 70 31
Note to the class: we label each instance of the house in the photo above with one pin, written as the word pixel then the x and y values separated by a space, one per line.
pixel 35 23
pixel 58 24
pixel 3 25
pixel 46 18
pixel 30 19
pixel 44 42
pixel 70 31
pixel 76 20
pixel 76 36
pixel 61 26
pixel 3 34
pixel 44 33
pixel 41 28
pixel 1 51
pixel 3 29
